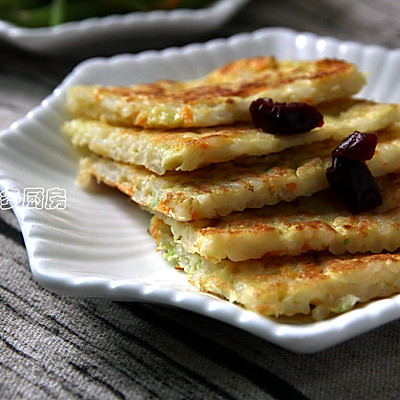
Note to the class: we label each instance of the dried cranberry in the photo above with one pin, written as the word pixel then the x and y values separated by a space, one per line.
pixel 284 118
pixel 354 184
pixel 358 146
pixel 349 176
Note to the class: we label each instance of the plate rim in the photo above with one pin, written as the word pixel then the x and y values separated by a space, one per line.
pixel 306 338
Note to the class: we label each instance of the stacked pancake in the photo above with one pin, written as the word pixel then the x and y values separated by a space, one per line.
pixel 249 215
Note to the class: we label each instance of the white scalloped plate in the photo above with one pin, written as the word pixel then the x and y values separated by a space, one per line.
pixel 102 35
pixel 99 246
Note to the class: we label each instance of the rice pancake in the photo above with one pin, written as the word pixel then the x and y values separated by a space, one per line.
pixel 220 189
pixel 186 150
pixel 316 283
pixel 317 223
pixel 222 97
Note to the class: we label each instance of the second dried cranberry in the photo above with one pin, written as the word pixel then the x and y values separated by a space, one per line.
pixel 354 184
pixel 358 146
pixel 284 118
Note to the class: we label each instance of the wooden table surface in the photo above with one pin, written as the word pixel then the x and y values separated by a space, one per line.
pixel 54 346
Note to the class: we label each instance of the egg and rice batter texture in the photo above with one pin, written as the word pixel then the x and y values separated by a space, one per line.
pixel 249 215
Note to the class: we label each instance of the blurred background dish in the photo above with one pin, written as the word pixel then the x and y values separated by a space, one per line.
pixel 133 31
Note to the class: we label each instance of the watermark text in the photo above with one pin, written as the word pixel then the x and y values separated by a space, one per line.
pixel 34 198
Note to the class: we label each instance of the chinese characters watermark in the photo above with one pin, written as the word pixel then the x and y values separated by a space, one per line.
pixel 34 198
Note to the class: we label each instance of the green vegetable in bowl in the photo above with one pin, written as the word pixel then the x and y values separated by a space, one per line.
pixel 39 13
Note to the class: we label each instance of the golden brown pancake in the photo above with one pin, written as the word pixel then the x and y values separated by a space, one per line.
pixel 222 97
pixel 223 188
pixel 317 283
pixel 186 150
pixel 321 222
